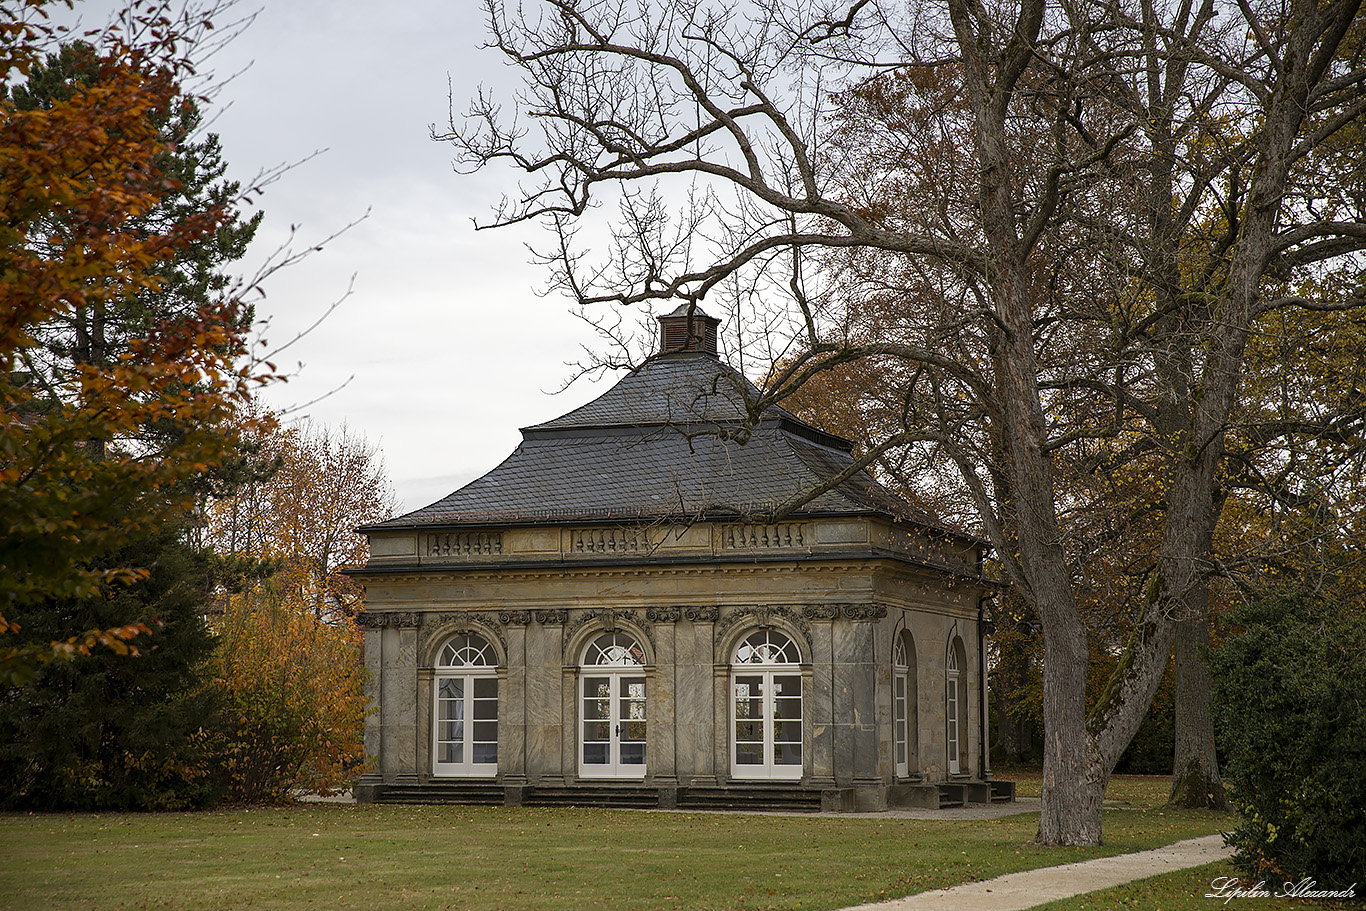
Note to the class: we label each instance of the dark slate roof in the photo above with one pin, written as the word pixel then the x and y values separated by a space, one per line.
pixel 655 446
pixel 682 388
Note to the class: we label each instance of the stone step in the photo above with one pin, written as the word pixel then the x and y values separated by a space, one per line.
pixel 1002 791
pixel 748 798
pixel 952 795
pixel 484 795
pixel 593 796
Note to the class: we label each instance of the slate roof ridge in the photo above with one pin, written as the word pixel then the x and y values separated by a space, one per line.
pixel 640 399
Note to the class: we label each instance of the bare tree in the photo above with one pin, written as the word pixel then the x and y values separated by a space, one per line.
pixel 1084 151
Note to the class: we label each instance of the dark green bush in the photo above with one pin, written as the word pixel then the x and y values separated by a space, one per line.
pixel 1290 711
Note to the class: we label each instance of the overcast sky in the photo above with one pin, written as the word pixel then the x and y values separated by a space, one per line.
pixel 450 347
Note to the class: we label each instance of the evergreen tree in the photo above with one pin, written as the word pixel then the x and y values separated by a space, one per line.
pixel 124 356
pixel 110 731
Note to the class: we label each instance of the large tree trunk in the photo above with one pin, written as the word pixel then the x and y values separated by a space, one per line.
pixel 1195 774
pixel 1074 777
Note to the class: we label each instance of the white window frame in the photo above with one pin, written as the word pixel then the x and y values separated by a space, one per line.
pixel 953 707
pixel 469 662
pixel 902 710
pixel 617 658
pixel 772 657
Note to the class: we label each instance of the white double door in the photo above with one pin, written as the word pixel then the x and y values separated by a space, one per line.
pixel 466 719
pixel 613 725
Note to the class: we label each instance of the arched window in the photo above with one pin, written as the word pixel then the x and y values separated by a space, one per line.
pixel 905 718
pixel 612 696
pixel 954 705
pixel 465 707
pixel 766 707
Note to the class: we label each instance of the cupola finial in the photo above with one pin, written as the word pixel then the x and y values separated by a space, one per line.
pixel 675 333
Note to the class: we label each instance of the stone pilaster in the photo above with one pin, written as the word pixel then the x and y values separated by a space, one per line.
pixel 547 725
pixel 374 683
pixel 661 712
pixel 398 745
pixel 819 705
pixel 512 740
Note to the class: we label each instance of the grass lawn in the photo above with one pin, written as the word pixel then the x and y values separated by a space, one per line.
pixel 1184 890
pixel 367 857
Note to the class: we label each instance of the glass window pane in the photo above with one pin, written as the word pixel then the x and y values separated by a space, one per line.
pixel 486 708
pixel 749 731
pixel 749 754
pixel 452 687
pixel 787 754
pixel 787 708
pixel 787 685
pixel 485 753
pixel 788 731
pixel 594 709
pixel 633 730
pixel 597 731
pixel 633 754
pixel 485 687
pixel 595 754
pixel 451 752
pixel 486 731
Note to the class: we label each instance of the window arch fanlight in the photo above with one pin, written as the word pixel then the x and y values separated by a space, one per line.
pixel 465 709
pixel 767 646
pixel 766 707
pixel 954 705
pixel 467 651
pixel 612 700
pixel 613 649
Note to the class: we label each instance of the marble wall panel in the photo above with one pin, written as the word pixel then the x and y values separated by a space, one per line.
pixel 820 707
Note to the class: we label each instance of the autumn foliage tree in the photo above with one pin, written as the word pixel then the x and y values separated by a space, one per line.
pixel 288 665
pixel 98 453
pixel 123 360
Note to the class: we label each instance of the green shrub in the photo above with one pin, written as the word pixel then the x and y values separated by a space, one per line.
pixel 1290 711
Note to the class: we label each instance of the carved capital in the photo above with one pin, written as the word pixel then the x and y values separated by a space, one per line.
pixel 702 614
pixel 514 617
pixel 555 616
pixel 368 620
pixel 820 611
pixel 404 620
pixel 663 614
pixel 865 611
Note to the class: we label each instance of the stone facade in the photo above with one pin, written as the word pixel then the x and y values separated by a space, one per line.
pixel 630 608
pixel 838 589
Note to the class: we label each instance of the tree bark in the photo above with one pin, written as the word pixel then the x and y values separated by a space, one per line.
pixel 1195 774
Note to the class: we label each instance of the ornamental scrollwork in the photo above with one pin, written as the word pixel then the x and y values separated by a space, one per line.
pixel 441 624
pixel 763 616
pixel 389 619
pixel 514 617
pixel 663 614
pixel 866 611
pixel 820 611
pixel 609 619
pixel 554 616
pixel 703 614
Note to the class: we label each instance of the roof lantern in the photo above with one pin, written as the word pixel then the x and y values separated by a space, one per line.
pixel 675 333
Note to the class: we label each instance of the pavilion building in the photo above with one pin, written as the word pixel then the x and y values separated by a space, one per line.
pixel 613 616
